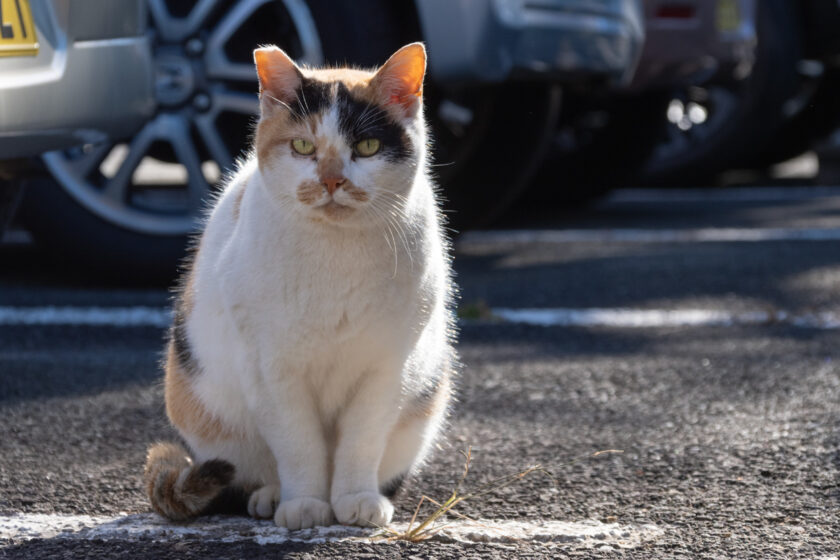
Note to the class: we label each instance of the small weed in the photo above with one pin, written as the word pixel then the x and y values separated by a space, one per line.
pixel 429 526
pixel 478 310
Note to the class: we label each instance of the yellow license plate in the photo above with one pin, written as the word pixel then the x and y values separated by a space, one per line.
pixel 17 33
pixel 728 18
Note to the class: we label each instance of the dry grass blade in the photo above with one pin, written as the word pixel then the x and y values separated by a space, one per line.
pixel 427 527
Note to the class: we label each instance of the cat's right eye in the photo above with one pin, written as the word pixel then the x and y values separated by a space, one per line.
pixel 303 147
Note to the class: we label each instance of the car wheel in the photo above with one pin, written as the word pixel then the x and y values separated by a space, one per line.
pixel 713 128
pixel 599 144
pixel 487 148
pixel 129 206
pixel 817 117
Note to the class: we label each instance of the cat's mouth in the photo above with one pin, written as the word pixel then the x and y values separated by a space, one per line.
pixel 335 210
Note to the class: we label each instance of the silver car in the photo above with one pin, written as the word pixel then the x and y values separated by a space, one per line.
pixel 136 109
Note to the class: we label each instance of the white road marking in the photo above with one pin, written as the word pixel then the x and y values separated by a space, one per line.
pixel 23 527
pixel 731 194
pixel 647 318
pixel 161 317
pixel 137 316
pixel 700 235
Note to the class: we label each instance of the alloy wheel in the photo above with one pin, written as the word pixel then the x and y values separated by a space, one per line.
pixel 158 181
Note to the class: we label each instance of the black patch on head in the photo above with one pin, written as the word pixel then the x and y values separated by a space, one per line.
pixel 312 97
pixel 393 486
pixel 359 120
pixel 178 335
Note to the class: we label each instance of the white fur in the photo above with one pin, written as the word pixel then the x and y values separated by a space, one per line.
pixel 312 335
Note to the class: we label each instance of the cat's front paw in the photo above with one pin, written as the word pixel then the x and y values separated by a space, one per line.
pixel 263 502
pixel 364 508
pixel 303 513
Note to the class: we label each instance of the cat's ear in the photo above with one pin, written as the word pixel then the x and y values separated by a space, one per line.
pixel 279 76
pixel 399 83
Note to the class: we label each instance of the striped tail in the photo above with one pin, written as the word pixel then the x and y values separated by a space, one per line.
pixel 178 489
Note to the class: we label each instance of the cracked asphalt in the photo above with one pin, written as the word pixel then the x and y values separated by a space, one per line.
pixel 730 434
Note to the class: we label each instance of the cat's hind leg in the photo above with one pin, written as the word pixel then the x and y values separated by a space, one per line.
pixel 256 471
pixel 414 433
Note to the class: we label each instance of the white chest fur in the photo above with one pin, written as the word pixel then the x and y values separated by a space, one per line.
pixel 297 297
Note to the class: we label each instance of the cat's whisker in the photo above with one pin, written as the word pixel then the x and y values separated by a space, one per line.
pixel 366 114
pixel 281 103
pixel 386 223
pixel 397 221
pixel 369 123
pixel 300 95
pixel 397 205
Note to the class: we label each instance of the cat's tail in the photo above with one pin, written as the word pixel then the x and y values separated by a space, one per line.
pixel 179 489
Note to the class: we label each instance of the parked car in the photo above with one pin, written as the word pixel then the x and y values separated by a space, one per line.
pixel 604 139
pixel 128 173
pixel 787 101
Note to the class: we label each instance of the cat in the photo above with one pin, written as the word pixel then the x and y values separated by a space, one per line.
pixel 311 360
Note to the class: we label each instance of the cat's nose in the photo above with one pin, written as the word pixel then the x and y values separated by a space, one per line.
pixel 333 183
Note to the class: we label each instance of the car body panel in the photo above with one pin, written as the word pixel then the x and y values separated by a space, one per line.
pixel 91 79
pixel 489 41
pixel 696 41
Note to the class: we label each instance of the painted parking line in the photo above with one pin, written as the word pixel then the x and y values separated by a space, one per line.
pixel 161 317
pixel 730 194
pixel 630 235
pixel 658 318
pixel 128 528
pixel 135 316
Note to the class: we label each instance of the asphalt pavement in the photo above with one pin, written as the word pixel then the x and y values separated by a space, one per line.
pixel 696 332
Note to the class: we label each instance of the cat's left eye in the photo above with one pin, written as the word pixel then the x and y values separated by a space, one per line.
pixel 303 147
pixel 367 147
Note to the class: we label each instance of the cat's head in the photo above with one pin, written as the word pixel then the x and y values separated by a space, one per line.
pixel 341 145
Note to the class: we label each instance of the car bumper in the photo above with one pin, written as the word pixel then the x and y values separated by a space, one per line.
pixel 91 79
pixel 696 42
pixel 490 41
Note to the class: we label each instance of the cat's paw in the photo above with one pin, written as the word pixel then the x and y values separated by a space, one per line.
pixel 263 502
pixel 303 513
pixel 364 508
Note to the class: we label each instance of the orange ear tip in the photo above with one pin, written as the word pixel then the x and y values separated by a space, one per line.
pixel 417 45
pixel 263 53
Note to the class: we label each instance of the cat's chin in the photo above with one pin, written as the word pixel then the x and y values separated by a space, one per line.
pixel 333 211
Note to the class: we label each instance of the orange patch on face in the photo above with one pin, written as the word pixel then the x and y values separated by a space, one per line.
pixel 329 162
pixel 184 409
pixel 350 77
pixel 270 132
pixel 355 192
pixel 309 192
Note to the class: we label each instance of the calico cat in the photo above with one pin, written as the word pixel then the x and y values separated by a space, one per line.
pixel 310 360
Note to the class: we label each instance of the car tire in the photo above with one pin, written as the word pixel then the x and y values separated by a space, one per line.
pixel 819 117
pixel 61 222
pixel 752 112
pixel 484 175
pixel 599 144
